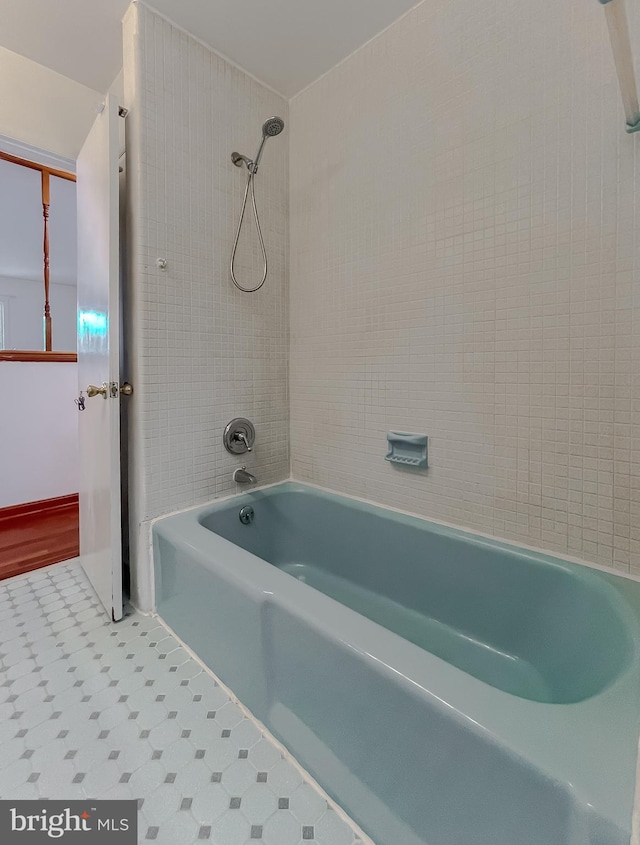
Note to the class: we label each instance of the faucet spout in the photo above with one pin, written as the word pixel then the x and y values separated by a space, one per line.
pixel 242 476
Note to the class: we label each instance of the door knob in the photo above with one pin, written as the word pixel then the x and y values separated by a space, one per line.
pixel 92 390
pixel 110 389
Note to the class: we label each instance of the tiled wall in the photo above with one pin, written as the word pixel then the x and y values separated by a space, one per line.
pixel 464 263
pixel 200 352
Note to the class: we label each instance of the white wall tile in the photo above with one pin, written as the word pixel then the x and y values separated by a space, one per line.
pixel 464 263
pixel 201 352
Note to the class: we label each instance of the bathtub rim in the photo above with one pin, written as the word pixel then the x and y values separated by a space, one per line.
pixel 504 542
pixel 494 713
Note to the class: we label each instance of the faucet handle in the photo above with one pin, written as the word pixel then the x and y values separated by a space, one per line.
pixel 240 437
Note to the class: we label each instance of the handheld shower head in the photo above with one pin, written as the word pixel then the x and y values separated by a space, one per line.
pixel 270 128
pixel 273 126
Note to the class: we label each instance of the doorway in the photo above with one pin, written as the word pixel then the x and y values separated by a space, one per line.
pixel 38 359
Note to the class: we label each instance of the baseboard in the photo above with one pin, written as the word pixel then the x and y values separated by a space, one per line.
pixel 41 506
pixel 36 534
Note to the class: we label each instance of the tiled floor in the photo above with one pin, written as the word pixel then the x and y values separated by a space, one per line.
pixel 93 709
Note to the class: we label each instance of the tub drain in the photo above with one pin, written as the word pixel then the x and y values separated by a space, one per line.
pixel 246 515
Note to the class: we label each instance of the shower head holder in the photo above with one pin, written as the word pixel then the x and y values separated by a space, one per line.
pixel 238 159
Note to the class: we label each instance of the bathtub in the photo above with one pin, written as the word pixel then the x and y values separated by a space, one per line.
pixel 444 688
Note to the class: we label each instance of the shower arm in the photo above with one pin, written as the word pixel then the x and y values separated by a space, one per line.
pixel 238 159
pixel 252 163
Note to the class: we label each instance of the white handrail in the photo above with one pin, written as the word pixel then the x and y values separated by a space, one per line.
pixel 616 16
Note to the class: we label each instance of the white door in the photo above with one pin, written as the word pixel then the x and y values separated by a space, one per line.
pixel 99 359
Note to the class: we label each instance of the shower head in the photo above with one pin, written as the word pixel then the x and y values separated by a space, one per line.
pixel 270 128
pixel 273 126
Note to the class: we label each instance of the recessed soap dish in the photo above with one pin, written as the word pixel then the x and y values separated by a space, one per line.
pixel 407 449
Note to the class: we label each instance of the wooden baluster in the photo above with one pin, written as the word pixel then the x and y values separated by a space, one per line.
pixel 46 199
pixel 46 173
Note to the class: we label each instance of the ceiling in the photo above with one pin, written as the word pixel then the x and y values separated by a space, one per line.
pixel 44 109
pixel 80 39
pixel 285 43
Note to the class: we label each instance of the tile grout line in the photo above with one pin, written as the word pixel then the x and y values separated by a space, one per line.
pixel 50 566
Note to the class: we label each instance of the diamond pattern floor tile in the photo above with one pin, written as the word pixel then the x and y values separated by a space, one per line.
pixel 93 709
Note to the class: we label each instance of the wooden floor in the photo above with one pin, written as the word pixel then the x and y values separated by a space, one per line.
pixel 37 534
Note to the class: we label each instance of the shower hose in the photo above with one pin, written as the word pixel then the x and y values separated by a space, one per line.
pixel 249 187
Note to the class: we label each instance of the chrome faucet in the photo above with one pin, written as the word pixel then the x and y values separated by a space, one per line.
pixel 242 476
pixel 240 437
